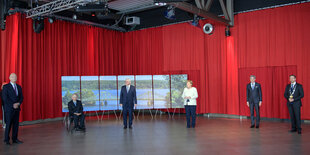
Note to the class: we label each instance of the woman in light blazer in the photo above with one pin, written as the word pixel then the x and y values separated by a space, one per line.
pixel 190 95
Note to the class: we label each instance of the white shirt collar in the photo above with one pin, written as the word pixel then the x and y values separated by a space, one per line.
pixel 13 84
pixel 253 83
pixel 293 83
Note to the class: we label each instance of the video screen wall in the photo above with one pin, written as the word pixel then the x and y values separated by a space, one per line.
pixel 103 92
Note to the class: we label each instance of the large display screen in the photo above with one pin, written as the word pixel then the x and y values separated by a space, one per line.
pixel 108 93
pixel 90 93
pixel 178 83
pixel 161 90
pixel 69 86
pixel 144 91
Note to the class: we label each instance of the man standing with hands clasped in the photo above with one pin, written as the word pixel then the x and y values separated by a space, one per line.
pixel 254 99
pixel 293 94
pixel 128 100
pixel 13 97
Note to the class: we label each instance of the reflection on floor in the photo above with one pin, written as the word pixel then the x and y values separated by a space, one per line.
pixel 161 136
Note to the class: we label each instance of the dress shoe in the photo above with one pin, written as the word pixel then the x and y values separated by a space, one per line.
pixel 125 127
pixel 18 142
pixel 299 132
pixel 188 126
pixel 293 130
pixel 252 126
pixel 257 126
pixel 7 143
pixel 130 127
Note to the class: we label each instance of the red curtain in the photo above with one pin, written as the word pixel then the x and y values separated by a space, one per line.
pixel 272 37
pixel 273 80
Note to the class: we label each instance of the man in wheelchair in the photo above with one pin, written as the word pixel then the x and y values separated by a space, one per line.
pixel 76 113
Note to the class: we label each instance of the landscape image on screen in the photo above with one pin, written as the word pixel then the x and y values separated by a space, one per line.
pixel 121 82
pixel 144 91
pixel 108 93
pixel 161 88
pixel 69 86
pixel 90 93
pixel 178 83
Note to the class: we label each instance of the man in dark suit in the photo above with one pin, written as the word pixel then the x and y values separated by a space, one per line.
pixel 254 99
pixel 76 112
pixel 128 100
pixel 2 105
pixel 13 97
pixel 294 93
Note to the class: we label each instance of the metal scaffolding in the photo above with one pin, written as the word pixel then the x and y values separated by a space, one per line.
pixel 55 6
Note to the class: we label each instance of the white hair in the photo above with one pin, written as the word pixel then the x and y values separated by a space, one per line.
pixel 128 80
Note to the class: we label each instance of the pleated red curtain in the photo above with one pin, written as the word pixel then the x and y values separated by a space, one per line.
pixel 276 37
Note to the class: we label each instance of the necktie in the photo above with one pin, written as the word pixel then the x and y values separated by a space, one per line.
pixel 15 89
pixel 292 87
pixel 127 87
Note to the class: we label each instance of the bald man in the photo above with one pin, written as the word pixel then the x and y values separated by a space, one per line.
pixel 13 97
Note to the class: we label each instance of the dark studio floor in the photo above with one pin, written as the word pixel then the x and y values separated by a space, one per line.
pixel 161 136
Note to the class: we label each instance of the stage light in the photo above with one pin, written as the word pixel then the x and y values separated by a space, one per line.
pixel 227 32
pixel 195 21
pixel 51 20
pixel 208 29
pixel 74 16
pixel 170 13
pixel 38 24
pixel 160 4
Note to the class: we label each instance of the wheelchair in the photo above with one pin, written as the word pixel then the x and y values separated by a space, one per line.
pixel 69 123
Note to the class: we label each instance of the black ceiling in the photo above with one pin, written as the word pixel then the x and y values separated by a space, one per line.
pixel 154 17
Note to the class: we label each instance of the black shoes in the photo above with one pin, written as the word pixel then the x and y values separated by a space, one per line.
pixel 125 127
pixel 130 127
pixel 15 142
pixel 18 142
pixel 252 126
pixel 295 130
pixel 257 126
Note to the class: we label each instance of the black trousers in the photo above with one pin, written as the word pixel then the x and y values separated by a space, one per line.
pixel 190 112
pixel 79 121
pixel 294 110
pixel 256 106
pixel 12 121
pixel 129 111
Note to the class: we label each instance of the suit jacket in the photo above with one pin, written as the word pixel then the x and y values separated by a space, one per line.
pixel 75 109
pixel 9 97
pixel 298 94
pixel 254 96
pixel 130 98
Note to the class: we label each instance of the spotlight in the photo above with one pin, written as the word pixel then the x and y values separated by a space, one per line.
pixel 51 20
pixel 160 4
pixel 227 32
pixel 208 29
pixel 4 7
pixel 38 24
pixel 195 21
pixel 74 16
pixel 170 13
